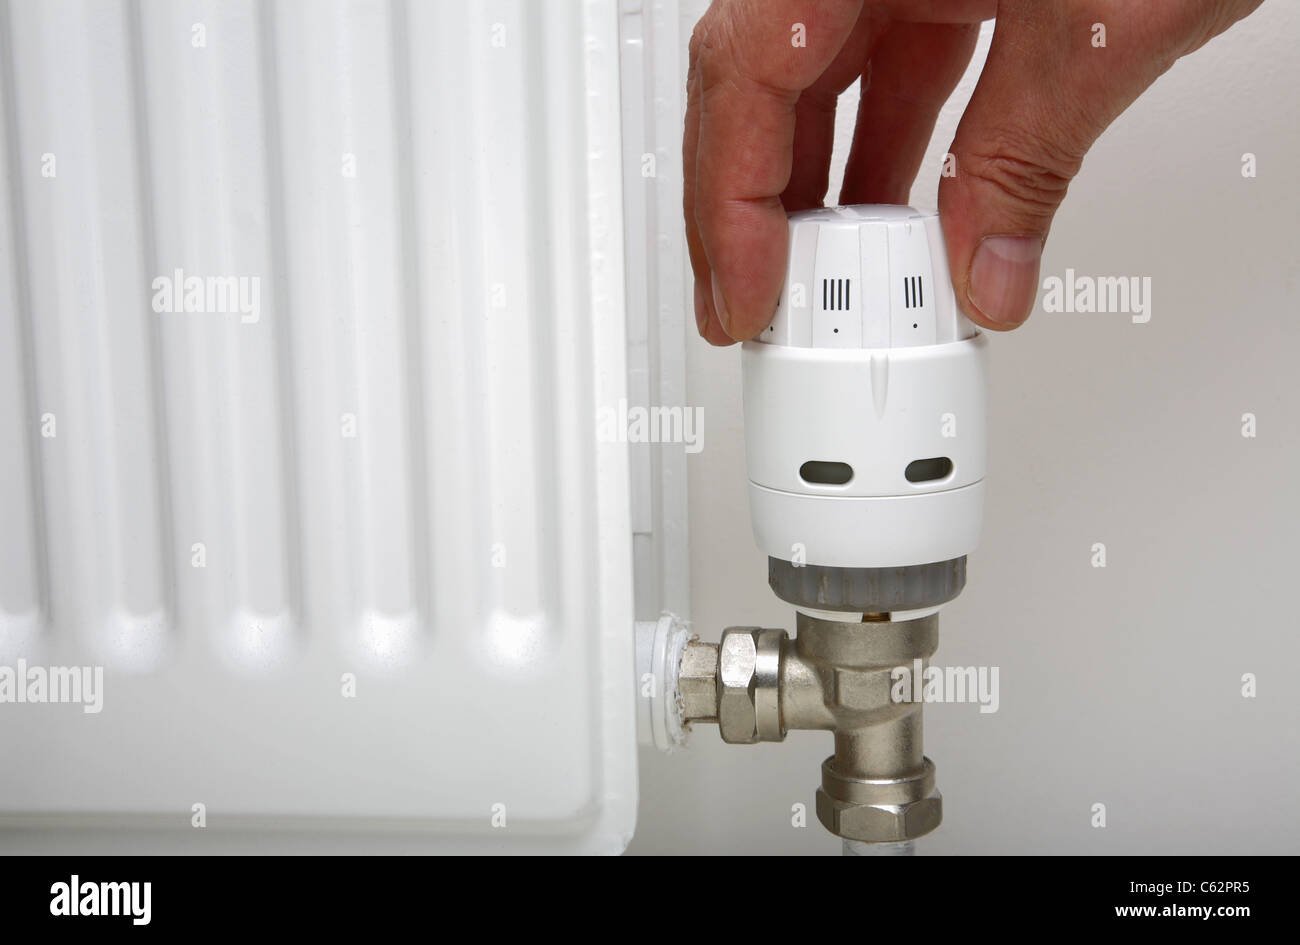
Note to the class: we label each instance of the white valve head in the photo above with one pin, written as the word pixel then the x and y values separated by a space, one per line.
pixel 865 398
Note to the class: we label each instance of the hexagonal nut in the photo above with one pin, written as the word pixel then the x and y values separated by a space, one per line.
pixel 880 823
pixel 697 682
pixel 737 663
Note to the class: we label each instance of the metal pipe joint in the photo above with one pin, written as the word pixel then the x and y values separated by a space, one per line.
pixel 834 675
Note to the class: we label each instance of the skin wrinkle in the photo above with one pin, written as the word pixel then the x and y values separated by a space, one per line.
pixel 747 159
pixel 752 63
pixel 1031 186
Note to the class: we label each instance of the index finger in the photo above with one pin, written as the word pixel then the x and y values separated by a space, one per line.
pixel 751 60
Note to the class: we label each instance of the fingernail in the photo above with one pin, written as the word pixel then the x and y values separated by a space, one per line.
pixel 720 306
pixel 1004 277
pixel 701 310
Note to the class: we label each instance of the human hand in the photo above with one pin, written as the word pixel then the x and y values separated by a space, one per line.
pixel 760 121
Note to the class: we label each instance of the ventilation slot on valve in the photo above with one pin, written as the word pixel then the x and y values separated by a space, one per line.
pixel 819 472
pixel 928 470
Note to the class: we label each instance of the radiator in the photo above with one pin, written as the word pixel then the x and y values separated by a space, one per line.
pixel 307 310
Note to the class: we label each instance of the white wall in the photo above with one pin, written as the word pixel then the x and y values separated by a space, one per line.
pixel 1119 685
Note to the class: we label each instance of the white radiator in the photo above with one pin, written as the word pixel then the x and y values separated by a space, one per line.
pixel 307 310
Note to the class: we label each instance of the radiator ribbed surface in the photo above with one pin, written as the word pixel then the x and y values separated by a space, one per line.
pixel 376 456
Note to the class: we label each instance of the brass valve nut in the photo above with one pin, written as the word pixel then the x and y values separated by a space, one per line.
pixel 749 672
pixel 697 682
pixel 879 810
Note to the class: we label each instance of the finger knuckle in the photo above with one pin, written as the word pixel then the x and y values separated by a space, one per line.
pixel 1031 170
pixel 709 37
pixel 716 49
pixel 699 36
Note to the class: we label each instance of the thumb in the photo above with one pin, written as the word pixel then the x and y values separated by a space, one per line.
pixel 1046 92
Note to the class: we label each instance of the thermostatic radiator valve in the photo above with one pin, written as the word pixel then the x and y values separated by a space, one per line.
pixel 864 399
pixel 865 449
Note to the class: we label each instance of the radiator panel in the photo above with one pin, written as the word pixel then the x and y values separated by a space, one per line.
pixel 377 462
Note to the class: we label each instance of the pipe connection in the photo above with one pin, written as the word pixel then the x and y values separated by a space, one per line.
pixel 835 675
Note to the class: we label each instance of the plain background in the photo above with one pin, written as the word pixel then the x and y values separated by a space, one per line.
pixel 1119 685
